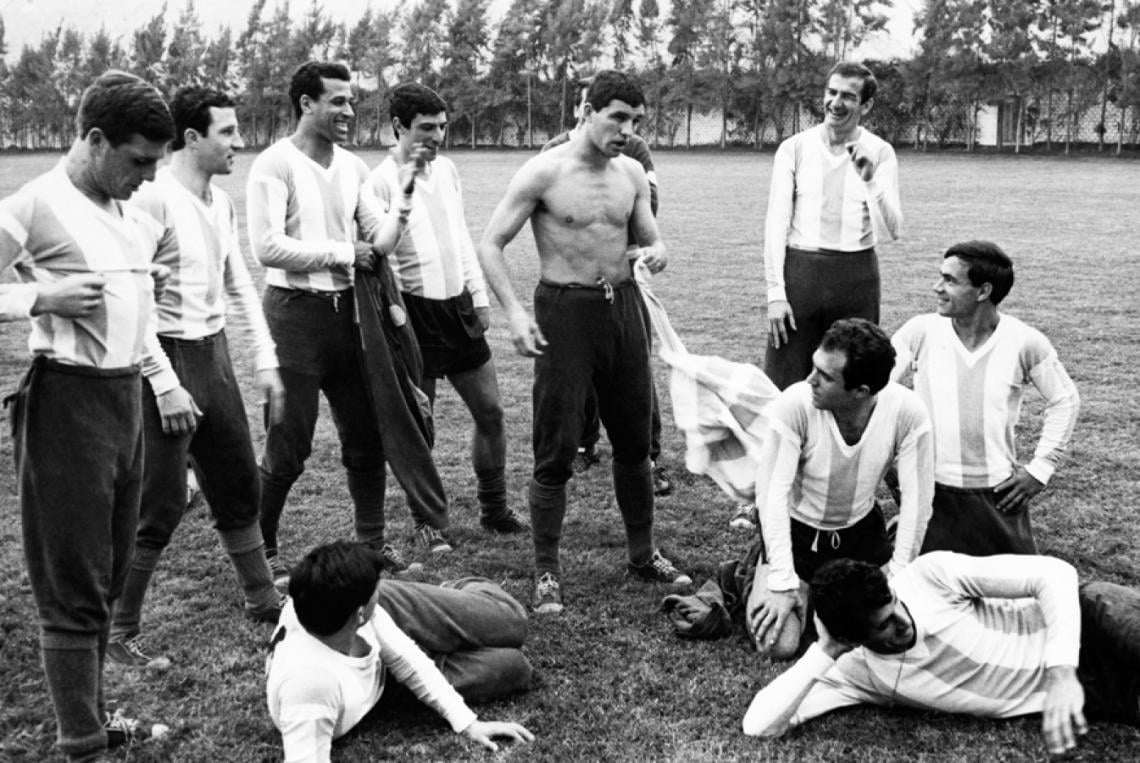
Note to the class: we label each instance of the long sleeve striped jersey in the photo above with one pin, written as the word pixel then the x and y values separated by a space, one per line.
pixel 808 472
pixel 818 201
pixel 974 398
pixel 435 257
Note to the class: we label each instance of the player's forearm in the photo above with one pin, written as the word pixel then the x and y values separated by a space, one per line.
pixel 1062 407
pixel 772 709
pixel 915 466
pixel 21 300
pixel 274 248
pixel 495 272
pixel 883 193
pixel 156 366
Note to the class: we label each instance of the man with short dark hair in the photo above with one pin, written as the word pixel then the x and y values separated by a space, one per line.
pixel 830 441
pixel 995 637
pixel 307 197
pixel 635 148
pixel 442 285
pixel 344 630
pixel 77 418
pixel 588 332
pixel 834 195
pixel 192 405
pixel 971 365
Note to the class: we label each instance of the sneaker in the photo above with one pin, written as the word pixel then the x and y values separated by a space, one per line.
pixel 129 653
pixel 659 570
pixel 393 561
pixel 746 518
pixel 662 485
pixel 267 613
pixel 123 731
pixel 279 571
pixel 432 539
pixel 585 458
pixel 507 522
pixel 547 594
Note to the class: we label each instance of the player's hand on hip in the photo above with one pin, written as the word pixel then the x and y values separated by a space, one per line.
pixel 654 259
pixel 1019 490
pixel 484 316
pixel 485 732
pixel 272 394
pixel 864 164
pixel 365 255
pixel 72 296
pixel 1063 718
pixel 178 411
pixel 526 334
pixel 781 320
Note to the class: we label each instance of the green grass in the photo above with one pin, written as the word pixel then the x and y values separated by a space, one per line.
pixel 613 683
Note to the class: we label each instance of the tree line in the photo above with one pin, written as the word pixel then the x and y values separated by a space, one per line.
pixel 758 64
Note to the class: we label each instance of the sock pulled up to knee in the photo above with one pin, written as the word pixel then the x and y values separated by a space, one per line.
pixel 547 512
pixel 633 488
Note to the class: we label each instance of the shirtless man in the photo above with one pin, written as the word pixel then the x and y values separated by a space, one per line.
pixel 587 330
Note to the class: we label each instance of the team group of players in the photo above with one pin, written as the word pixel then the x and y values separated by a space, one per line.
pixel 126 387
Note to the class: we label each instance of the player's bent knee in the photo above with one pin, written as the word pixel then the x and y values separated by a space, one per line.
pixel 786 644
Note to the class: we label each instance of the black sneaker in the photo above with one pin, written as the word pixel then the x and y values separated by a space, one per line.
pixel 266 613
pixel 662 485
pixel 123 731
pixel 659 570
pixel 547 594
pixel 279 572
pixel 584 459
pixel 129 653
pixel 506 522
pixel 393 561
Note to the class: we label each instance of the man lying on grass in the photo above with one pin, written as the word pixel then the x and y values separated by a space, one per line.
pixel 343 629
pixel 996 637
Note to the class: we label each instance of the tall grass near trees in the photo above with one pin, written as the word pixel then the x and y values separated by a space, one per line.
pixel 612 681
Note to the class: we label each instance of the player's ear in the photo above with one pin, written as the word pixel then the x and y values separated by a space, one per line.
pixel 985 291
pixel 866 106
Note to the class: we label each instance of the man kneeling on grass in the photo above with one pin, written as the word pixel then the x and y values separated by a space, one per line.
pixel 996 637
pixel 343 629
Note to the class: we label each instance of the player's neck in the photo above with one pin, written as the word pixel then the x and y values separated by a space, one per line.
pixel 853 420
pixel 975 329
pixel 80 172
pixel 195 181
pixel 839 138
pixel 315 146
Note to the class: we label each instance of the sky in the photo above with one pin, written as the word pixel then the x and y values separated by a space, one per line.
pixel 26 21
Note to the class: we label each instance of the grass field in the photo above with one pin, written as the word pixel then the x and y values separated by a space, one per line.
pixel 612 682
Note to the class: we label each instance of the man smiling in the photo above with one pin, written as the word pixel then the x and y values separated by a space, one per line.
pixel 995 637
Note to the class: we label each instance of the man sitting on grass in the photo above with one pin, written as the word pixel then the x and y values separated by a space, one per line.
pixel 343 629
pixel 997 637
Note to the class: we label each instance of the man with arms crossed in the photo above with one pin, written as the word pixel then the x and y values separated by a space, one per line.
pixel 306 199
pixel 638 149
pixel 192 405
pixel 971 365
pixel 587 331
pixel 831 440
pixel 344 630
pixel 834 194
pixel 995 637
pixel 442 284
pixel 77 418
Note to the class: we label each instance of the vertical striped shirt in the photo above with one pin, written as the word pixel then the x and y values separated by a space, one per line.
pixel 199 243
pixel 48 230
pixel 808 472
pixel 303 218
pixel 435 257
pixel 818 201
pixel 974 398
pixel 986 628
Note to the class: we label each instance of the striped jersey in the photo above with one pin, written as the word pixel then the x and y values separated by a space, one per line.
pixel 808 472
pixel 435 256
pixel 818 201
pixel 48 230
pixel 986 631
pixel 974 398
pixel 199 243
pixel 303 218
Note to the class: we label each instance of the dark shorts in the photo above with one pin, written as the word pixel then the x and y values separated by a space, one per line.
pixel 967 520
pixel 450 334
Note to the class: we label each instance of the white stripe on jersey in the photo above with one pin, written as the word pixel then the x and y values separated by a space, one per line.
pixel 435 257
pixel 63 233
pixel 974 398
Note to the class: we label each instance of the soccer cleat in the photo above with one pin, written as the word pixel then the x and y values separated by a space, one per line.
pixel 279 572
pixel 432 539
pixel 746 518
pixel 393 561
pixel 129 653
pixel 266 613
pixel 122 731
pixel 659 570
pixel 662 485
pixel 547 594
pixel 584 459
pixel 507 522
